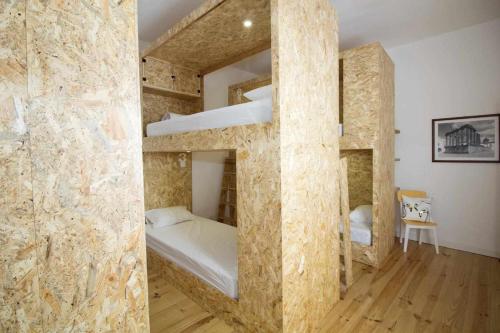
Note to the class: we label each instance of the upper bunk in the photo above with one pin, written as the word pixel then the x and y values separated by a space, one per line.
pixel 215 35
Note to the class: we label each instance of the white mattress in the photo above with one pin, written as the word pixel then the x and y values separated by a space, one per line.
pixel 203 247
pixel 360 233
pixel 241 114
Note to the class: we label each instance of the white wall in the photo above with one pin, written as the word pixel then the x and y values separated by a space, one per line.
pixel 454 74
pixel 217 83
pixel 208 167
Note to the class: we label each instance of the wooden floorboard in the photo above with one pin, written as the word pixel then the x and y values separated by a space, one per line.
pixel 421 292
pixel 173 312
pixel 414 292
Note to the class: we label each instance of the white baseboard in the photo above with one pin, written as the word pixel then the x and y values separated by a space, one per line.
pixel 455 246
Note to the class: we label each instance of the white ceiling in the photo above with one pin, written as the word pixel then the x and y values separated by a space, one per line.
pixel 392 22
pixel 397 22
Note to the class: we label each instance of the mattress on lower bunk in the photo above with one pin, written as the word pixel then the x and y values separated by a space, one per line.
pixel 203 247
pixel 241 114
pixel 360 233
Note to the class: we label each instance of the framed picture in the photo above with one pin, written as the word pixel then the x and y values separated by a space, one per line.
pixel 466 139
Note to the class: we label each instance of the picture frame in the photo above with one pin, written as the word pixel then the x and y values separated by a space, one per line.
pixel 469 139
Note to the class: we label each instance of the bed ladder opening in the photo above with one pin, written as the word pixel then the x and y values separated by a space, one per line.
pixel 228 196
pixel 360 182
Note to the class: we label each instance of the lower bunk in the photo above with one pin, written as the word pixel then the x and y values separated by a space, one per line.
pixel 198 257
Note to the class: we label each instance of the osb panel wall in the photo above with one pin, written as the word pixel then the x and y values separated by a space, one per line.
pixel 78 186
pixel 385 159
pixel 166 183
pixel 236 91
pixel 368 113
pixel 308 93
pixel 360 176
pixel 218 38
pixel 259 221
pixel 310 267
pixel 361 97
pixel 19 297
pixel 220 305
pixel 166 75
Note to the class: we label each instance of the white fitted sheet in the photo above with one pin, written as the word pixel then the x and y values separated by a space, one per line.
pixel 241 114
pixel 360 233
pixel 203 247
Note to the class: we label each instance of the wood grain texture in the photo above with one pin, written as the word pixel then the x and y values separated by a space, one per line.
pixel 361 97
pixel 368 118
pixel 414 292
pixel 19 285
pixel 308 95
pixel 166 183
pixel 236 91
pixel 214 35
pixel 360 175
pixel 303 283
pixel 82 163
pixel 170 76
pixel 172 311
pixel 206 296
pixel 384 159
pixel 420 291
pixel 346 222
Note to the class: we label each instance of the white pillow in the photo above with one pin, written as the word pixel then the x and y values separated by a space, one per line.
pixel 162 217
pixel 416 209
pixel 171 115
pixel 361 215
pixel 260 93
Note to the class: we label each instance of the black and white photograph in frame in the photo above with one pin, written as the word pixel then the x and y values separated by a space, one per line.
pixel 466 139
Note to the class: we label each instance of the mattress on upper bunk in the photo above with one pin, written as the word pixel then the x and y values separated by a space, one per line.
pixel 203 247
pixel 254 112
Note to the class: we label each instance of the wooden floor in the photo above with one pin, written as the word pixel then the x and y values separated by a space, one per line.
pixel 171 311
pixel 414 292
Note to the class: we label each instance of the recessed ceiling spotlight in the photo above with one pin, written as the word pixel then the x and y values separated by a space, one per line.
pixel 247 23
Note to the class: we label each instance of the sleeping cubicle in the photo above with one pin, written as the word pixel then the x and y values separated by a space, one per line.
pixel 278 270
pixel 367 116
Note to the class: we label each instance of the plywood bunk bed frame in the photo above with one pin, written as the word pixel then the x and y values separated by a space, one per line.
pixel 367 112
pixel 288 240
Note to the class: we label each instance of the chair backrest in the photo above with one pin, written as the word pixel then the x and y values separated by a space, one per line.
pixel 411 193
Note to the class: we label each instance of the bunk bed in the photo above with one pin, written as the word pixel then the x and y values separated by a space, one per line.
pixel 287 279
pixel 367 113
pixel 252 112
pixel 203 247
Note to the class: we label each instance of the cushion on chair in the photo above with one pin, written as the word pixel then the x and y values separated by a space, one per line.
pixel 416 209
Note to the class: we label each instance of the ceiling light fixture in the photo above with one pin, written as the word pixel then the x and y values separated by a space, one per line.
pixel 247 23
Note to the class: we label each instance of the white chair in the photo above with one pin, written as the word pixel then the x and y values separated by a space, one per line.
pixel 412 224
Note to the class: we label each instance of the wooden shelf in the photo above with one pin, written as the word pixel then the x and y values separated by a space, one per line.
pixel 169 93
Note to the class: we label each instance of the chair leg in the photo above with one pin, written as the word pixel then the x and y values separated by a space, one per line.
pixel 419 236
pixel 436 245
pixel 407 235
pixel 401 228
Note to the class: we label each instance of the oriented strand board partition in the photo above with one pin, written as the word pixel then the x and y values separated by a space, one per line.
pixel 218 38
pixel 288 269
pixel 71 216
pixel 19 284
pixel 308 102
pixel 166 182
pixel 360 175
pixel 368 119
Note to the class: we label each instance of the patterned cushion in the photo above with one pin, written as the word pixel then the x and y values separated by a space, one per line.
pixel 417 209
